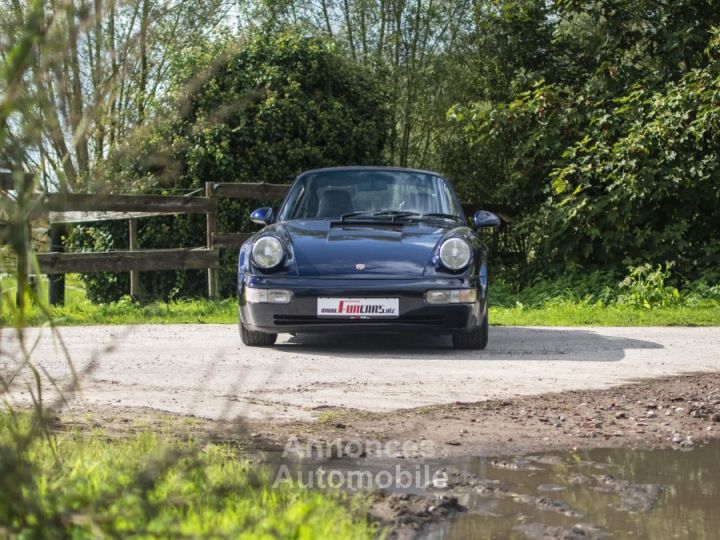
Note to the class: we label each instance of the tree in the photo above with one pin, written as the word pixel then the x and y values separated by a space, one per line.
pixel 416 46
pixel 591 144
pixel 96 75
pixel 643 185
pixel 260 110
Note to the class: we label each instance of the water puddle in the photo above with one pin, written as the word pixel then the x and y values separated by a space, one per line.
pixel 602 493
pixel 618 493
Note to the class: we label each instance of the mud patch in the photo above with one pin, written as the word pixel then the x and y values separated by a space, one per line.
pixel 405 515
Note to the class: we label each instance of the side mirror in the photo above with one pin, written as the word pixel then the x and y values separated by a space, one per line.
pixel 484 219
pixel 262 216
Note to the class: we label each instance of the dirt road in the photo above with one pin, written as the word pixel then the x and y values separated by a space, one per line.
pixel 204 369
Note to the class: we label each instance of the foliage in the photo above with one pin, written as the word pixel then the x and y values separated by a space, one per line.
pixel 85 485
pixel 602 149
pixel 417 49
pixel 97 74
pixel 646 287
pixel 592 126
pixel 643 185
pixel 264 110
pixel 646 296
pixel 642 287
pixel 102 286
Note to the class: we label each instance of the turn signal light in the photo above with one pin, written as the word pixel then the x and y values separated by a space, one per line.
pixel 451 296
pixel 268 296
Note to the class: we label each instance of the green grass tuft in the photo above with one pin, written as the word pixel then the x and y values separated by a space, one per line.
pixel 85 485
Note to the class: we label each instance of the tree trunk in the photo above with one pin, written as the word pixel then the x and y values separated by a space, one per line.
pixel 348 23
pixel 141 97
pixel 79 129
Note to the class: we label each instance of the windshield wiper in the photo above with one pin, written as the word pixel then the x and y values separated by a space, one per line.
pixel 440 215
pixel 399 214
pixel 393 214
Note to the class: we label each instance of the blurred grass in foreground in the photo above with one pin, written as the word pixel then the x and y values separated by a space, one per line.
pixel 85 485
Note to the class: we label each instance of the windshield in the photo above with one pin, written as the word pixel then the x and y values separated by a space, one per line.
pixel 334 194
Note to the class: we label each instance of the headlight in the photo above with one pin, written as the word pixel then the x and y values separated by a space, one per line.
pixel 455 253
pixel 267 252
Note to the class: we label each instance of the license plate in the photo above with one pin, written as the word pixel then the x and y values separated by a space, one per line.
pixel 358 308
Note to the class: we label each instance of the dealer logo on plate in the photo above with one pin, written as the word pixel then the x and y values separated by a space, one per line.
pixel 358 307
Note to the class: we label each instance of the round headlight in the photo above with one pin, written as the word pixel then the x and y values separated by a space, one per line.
pixel 455 253
pixel 267 252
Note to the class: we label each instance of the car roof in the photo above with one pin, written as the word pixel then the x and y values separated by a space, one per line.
pixel 355 168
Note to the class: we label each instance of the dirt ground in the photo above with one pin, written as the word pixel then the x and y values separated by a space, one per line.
pixel 680 412
pixel 677 411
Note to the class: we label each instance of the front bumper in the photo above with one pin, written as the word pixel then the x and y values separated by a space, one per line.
pixel 415 315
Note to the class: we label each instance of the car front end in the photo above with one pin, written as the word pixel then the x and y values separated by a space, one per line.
pixel 297 305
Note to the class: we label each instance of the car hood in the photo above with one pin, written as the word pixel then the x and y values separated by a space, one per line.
pixel 321 248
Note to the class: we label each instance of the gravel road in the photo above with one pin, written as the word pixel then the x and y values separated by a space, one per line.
pixel 204 369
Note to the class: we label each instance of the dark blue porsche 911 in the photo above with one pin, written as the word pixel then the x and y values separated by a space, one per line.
pixel 365 249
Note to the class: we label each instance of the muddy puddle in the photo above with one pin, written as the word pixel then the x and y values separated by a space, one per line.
pixel 618 493
pixel 602 493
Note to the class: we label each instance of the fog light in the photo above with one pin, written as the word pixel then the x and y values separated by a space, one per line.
pixel 279 296
pixel 267 296
pixel 451 296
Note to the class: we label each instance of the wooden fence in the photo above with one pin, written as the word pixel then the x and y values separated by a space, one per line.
pixel 63 209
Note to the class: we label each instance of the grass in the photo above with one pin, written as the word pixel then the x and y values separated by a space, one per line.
pixel 549 305
pixel 580 314
pixel 78 310
pixel 85 485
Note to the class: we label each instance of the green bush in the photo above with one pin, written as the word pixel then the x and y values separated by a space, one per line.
pixel 603 150
pixel 643 287
pixel 262 110
pixel 646 287
pixel 102 286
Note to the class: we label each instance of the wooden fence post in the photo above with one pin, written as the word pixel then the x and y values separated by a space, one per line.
pixel 22 271
pixel 133 246
pixel 56 285
pixel 212 273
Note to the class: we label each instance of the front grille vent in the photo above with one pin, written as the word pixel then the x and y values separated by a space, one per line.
pixel 296 320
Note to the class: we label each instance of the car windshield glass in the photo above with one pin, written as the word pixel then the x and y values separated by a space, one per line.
pixel 370 194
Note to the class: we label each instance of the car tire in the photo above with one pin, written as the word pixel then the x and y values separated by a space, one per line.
pixel 256 339
pixel 476 339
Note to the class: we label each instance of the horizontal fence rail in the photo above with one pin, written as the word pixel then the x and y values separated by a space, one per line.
pixel 230 240
pixel 76 202
pixel 85 217
pixel 256 191
pixel 125 261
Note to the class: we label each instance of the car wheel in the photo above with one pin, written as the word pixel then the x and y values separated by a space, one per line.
pixel 476 339
pixel 256 339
